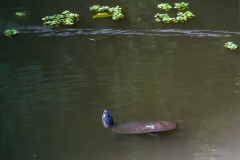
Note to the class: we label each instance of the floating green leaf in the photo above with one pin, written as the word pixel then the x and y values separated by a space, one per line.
pixel 181 6
pixel 66 12
pixel 94 8
pixel 174 20
pixel 10 32
pixel 68 21
pixel 102 15
pixel 19 14
pixel 66 18
pixel 230 45
pixel 164 6
pixel 161 16
pixel 189 14
pixel 181 17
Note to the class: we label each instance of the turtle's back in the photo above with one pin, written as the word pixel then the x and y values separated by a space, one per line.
pixel 143 127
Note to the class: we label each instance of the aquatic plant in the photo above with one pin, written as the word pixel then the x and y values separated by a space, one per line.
pixel 157 20
pixel 169 20
pixel 10 32
pixel 68 22
pixel 189 14
pixel 94 8
pixel 164 6
pixel 162 17
pixel 105 11
pixel 51 23
pixel 68 14
pixel 66 18
pixel 59 16
pixel 19 14
pixel 117 14
pixel 181 17
pixel 181 6
pixel 174 20
pixel 230 45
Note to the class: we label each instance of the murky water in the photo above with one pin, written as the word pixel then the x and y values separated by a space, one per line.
pixel 56 81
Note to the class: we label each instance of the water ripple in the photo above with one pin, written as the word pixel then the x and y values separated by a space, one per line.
pixel 54 31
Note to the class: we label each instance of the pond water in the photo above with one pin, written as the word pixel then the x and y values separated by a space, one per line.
pixel 55 82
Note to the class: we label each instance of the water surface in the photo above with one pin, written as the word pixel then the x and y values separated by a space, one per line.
pixel 56 81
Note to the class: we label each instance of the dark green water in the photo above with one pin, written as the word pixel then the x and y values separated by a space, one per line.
pixel 55 82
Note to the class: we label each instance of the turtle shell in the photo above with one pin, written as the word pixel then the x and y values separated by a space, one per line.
pixel 143 127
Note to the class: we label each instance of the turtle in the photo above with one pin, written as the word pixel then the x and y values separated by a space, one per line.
pixel 149 127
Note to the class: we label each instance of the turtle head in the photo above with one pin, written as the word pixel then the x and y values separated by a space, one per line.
pixel 107 119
